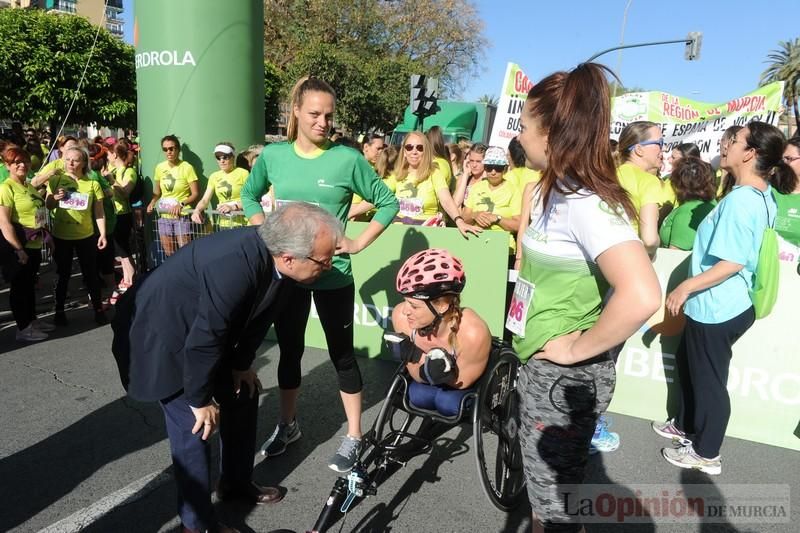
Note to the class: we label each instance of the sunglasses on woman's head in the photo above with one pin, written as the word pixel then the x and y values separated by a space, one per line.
pixel 417 147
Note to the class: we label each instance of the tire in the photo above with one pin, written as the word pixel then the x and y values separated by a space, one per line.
pixel 495 423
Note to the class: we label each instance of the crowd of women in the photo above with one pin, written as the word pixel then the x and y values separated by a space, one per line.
pixel 583 229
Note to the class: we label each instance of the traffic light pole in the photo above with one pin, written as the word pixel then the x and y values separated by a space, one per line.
pixel 598 54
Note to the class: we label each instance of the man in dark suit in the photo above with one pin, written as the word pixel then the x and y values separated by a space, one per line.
pixel 187 333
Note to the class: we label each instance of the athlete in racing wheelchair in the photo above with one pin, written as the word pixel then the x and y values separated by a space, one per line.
pixel 451 371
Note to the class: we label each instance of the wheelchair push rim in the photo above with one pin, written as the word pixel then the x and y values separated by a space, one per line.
pixel 496 435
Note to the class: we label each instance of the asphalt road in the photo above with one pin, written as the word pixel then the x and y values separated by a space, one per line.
pixel 76 455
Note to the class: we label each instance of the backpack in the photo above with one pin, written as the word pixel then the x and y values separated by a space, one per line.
pixel 767 275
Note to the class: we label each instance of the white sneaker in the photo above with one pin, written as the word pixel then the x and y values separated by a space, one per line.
pixel 31 334
pixel 41 325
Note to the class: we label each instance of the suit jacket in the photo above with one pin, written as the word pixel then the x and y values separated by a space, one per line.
pixel 204 312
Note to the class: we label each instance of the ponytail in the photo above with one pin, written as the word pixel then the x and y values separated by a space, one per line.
pixel 574 109
pixel 783 178
pixel 304 85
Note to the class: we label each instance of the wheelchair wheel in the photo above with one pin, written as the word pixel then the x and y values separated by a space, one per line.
pixel 496 432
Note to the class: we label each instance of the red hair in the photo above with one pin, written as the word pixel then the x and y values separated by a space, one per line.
pixel 574 109
pixel 13 152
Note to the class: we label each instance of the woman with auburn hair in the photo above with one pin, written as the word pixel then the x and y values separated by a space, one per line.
pixel 310 168
pixel 692 179
pixel 578 245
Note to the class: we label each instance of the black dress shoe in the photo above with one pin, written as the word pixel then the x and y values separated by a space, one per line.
pixel 60 319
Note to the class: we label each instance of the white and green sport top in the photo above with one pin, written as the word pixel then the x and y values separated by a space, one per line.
pixel 560 288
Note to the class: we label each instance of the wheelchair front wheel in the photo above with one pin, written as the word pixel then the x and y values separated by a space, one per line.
pixel 496 433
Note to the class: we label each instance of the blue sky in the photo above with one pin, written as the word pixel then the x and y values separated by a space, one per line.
pixel 543 36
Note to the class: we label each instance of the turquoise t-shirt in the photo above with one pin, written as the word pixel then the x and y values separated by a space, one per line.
pixel 732 232
pixel 328 178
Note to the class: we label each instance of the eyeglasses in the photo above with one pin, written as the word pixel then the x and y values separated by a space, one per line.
pixel 495 168
pixel 223 157
pixel 324 264
pixel 19 162
pixel 790 159
pixel 659 142
pixel 168 148
pixel 417 147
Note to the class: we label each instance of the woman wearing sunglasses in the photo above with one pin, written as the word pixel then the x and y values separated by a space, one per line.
pixel 226 186
pixel 422 189
pixel 174 189
pixel 310 168
pixel 640 152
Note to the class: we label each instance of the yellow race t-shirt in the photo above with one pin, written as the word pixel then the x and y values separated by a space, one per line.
pixel 643 188
pixel 74 215
pixel 123 175
pixel 522 176
pixel 418 200
pixel 227 187
pixel 444 168
pixel 26 206
pixel 504 200
pixel 174 183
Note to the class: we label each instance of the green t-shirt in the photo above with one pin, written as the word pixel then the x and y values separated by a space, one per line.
pixel 787 221
pixel 680 226
pixel 123 175
pixel 108 201
pixel 174 183
pixel 227 187
pixel 642 187
pixel 26 206
pixel 74 218
pixel 328 177
pixel 565 287
pixel 505 201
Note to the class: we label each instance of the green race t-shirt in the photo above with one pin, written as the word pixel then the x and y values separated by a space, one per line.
pixel 787 222
pixel 329 177
pixel 559 254
pixel 680 226
pixel 108 201
pixel 504 200
pixel 123 176
pixel 74 218
pixel 26 206
pixel 227 187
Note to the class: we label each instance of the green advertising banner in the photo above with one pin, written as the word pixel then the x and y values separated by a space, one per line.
pixel 688 121
pixel 200 76
pixel 764 380
pixel 485 261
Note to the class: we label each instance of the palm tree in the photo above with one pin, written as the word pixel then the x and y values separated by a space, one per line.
pixel 784 65
pixel 489 99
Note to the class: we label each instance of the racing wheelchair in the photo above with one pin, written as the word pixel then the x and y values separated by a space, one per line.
pixel 491 406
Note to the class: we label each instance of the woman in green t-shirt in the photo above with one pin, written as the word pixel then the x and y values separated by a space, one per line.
pixel 77 203
pixel 22 216
pixel 787 222
pixel 692 179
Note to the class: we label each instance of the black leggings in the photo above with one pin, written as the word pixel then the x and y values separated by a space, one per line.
pixel 335 309
pixel 22 297
pixel 122 234
pixel 87 259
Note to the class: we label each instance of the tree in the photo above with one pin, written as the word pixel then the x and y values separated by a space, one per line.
pixel 784 65
pixel 42 57
pixel 489 99
pixel 273 84
pixel 367 49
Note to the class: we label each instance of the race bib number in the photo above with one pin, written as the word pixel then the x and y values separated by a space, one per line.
pixel 520 303
pixel 40 217
pixel 167 203
pixel 76 201
pixel 266 203
pixel 410 207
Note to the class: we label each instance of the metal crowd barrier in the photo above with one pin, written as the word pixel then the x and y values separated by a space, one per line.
pixel 170 233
